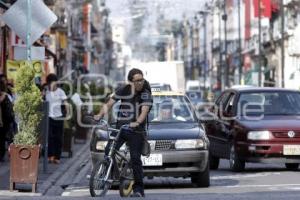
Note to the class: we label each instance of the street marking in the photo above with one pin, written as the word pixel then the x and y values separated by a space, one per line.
pixel 66 194
pixel 243 176
pixel 245 186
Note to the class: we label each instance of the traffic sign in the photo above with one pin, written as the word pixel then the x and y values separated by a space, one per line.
pixel 42 18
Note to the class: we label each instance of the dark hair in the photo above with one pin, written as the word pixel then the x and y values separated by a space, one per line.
pixel 147 86
pixel 51 78
pixel 3 76
pixel 133 72
pixel 2 86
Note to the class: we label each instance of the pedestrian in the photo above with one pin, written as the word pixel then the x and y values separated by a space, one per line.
pixel 56 98
pixel 6 118
pixel 136 102
pixel 8 87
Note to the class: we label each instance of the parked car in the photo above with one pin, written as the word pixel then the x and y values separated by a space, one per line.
pixel 253 124
pixel 179 145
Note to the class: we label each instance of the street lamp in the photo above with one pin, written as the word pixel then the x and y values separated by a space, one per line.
pixel 204 68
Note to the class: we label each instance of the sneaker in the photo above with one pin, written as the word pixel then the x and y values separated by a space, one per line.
pixel 137 194
pixel 56 161
pixel 51 159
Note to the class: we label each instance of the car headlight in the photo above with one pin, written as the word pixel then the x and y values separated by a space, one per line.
pixel 259 135
pixel 100 145
pixel 189 144
pixel 101 134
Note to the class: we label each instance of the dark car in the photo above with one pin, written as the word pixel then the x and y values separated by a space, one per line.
pixel 179 146
pixel 255 125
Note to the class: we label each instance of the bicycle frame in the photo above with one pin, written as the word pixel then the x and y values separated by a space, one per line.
pixel 116 158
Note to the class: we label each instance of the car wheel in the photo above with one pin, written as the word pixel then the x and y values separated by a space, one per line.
pixel 236 165
pixel 292 166
pixel 201 179
pixel 214 162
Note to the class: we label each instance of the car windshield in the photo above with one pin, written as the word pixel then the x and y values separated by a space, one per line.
pixel 269 103
pixel 171 109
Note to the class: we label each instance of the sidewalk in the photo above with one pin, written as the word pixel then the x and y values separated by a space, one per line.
pixel 45 180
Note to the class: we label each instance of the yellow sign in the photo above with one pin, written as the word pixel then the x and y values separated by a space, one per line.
pixel 12 67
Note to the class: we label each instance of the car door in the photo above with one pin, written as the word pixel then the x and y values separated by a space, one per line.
pixel 225 124
pixel 213 127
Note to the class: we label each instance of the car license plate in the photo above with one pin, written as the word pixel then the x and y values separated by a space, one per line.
pixel 291 150
pixel 152 160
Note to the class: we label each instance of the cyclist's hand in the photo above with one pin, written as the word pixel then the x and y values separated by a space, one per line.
pixel 97 117
pixel 134 124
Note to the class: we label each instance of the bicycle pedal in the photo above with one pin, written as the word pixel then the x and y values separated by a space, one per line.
pixel 110 181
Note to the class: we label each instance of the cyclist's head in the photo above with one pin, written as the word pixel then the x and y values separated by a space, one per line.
pixel 136 77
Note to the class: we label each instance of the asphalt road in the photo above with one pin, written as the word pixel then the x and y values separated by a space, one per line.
pixel 259 181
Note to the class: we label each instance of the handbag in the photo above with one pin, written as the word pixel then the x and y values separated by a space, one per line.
pixel 146 149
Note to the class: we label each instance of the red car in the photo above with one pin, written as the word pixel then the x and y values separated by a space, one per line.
pixel 253 124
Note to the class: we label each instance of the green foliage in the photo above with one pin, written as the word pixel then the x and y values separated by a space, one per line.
pixel 27 106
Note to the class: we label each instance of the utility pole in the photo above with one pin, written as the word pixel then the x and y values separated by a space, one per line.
pixel 205 52
pixel 240 43
pixel 224 17
pixel 220 71
pixel 259 46
pixel 28 29
pixel 204 61
pixel 282 44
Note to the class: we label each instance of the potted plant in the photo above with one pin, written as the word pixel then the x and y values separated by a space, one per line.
pixel 24 151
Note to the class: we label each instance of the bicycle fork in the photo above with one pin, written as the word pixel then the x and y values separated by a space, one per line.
pixel 108 173
pixel 109 157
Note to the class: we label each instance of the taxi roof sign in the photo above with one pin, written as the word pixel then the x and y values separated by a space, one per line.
pixel 167 93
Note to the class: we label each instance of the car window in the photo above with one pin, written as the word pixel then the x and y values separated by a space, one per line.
pixel 269 103
pixel 222 100
pixel 171 109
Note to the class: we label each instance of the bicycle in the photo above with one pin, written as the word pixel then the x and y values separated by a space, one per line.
pixel 113 169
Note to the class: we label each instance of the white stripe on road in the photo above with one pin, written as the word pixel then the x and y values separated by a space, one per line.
pixel 66 194
pixel 278 185
pixel 241 176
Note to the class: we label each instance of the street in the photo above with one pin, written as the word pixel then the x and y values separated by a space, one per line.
pixel 191 81
pixel 263 181
pixel 270 181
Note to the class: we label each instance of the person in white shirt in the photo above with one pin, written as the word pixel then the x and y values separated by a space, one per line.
pixel 56 98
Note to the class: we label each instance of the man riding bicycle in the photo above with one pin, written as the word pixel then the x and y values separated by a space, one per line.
pixel 136 101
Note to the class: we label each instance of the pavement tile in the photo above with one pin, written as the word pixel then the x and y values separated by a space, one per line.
pixel 44 178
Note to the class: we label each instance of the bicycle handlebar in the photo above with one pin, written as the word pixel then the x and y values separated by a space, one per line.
pixel 103 122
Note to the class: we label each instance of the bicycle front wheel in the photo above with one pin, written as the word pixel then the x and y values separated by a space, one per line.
pixel 98 187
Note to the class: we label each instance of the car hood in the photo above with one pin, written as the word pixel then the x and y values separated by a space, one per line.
pixel 172 131
pixel 272 123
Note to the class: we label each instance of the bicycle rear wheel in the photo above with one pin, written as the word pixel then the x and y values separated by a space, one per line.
pixel 98 187
pixel 126 181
